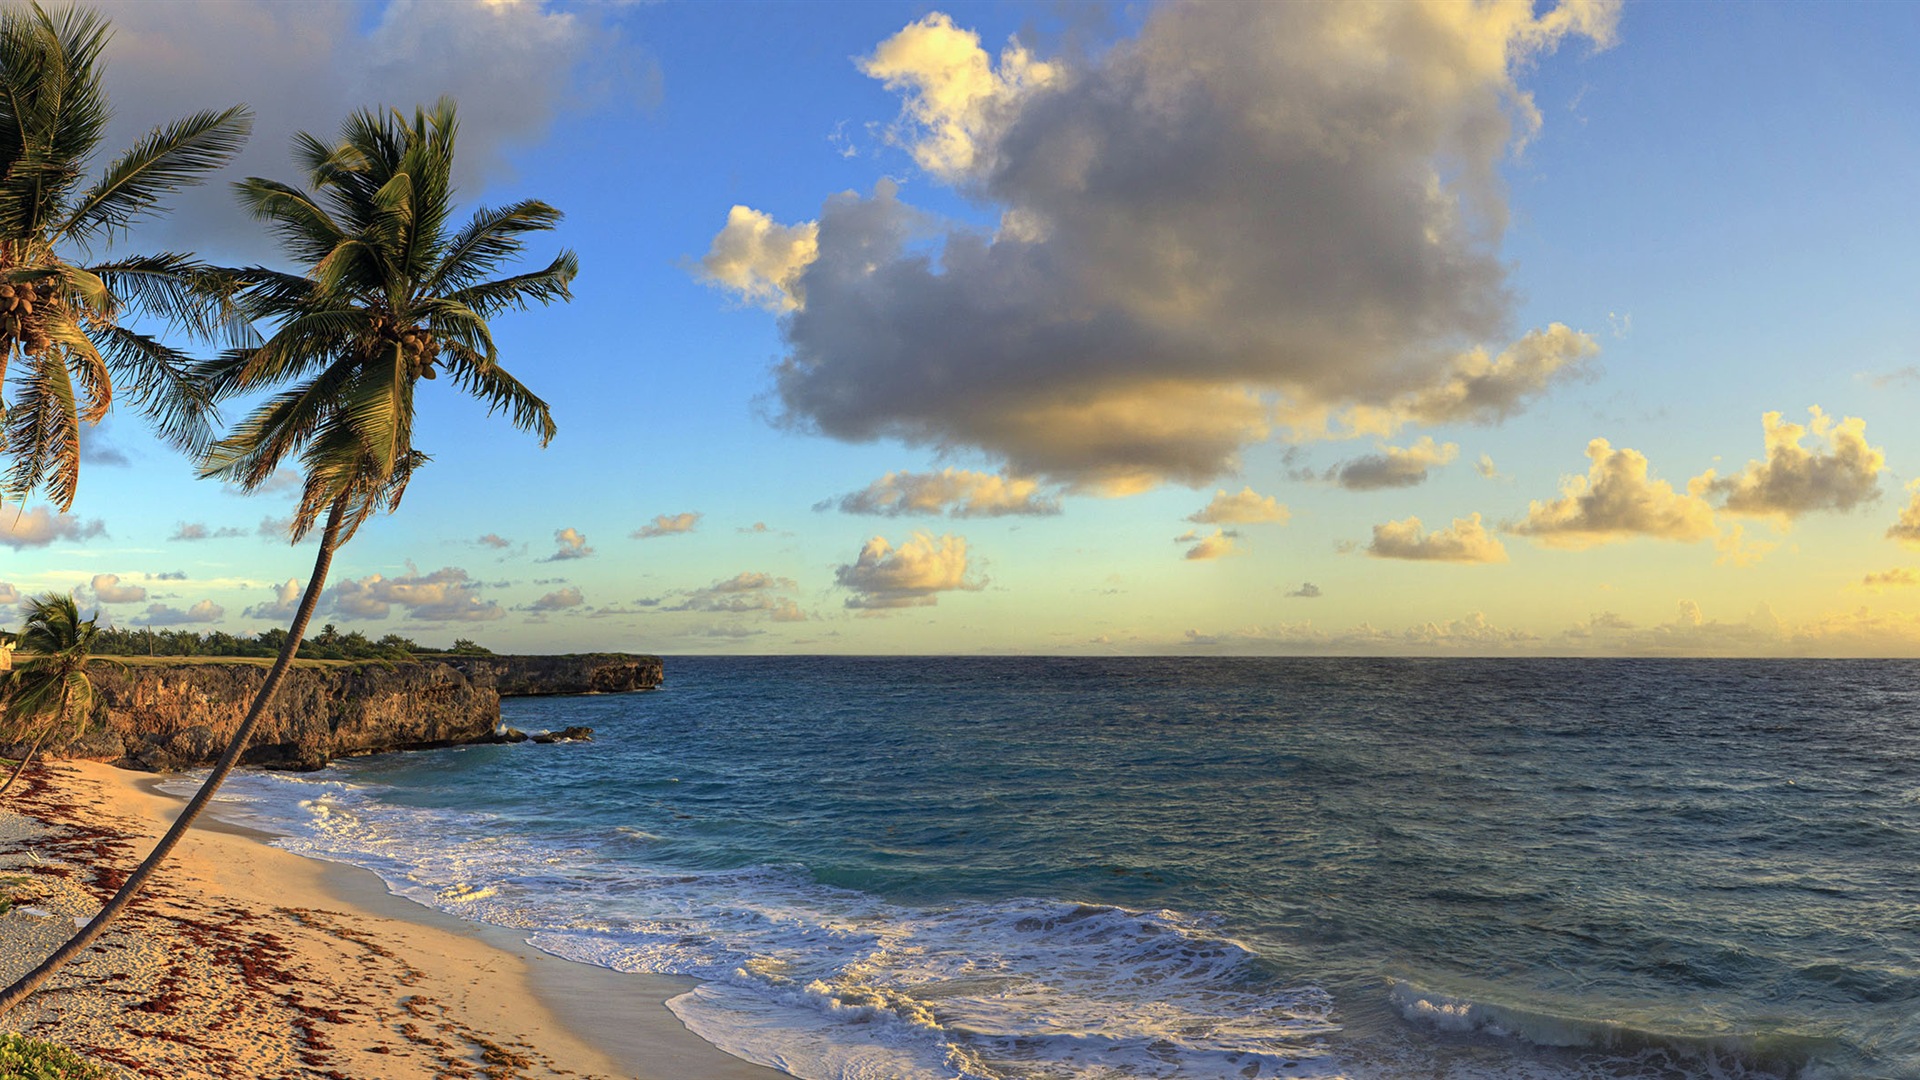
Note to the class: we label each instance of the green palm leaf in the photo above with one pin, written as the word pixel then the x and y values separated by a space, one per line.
pixel 67 330
pixel 172 157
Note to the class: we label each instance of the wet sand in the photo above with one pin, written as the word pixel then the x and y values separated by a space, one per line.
pixel 246 961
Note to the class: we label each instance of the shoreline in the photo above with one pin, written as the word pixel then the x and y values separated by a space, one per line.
pixel 245 960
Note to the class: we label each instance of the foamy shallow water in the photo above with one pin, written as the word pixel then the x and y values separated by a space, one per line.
pixel 1037 873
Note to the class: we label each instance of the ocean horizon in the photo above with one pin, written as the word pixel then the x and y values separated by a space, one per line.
pixel 1150 867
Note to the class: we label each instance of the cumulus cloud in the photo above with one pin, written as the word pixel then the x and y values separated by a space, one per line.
pixel 1618 499
pixel 283 607
pixel 274 529
pixel 955 96
pixel 956 492
pixel 21 529
pixel 668 525
pixel 755 529
pixel 570 544
pixel 494 541
pixel 1307 591
pixel 746 593
pixel 168 575
pixel 448 594
pixel 1794 480
pixel 761 260
pixel 1393 466
pixel 1906 528
pixel 911 575
pixel 9 595
pixel 206 611
pixel 558 600
pixel 1485 467
pixel 1899 577
pixel 189 531
pixel 1466 541
pixel 1244 207
pixel 1216 544
pixel 1246 508
pixel 514 67
pixel 108 590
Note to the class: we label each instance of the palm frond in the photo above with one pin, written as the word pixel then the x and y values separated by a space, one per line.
pixel 43 432
pixel 305 341
pixel 303 226
pixel 485 380
pixel 203 300
pixel 488 240
pixel 171 157
pixel 522 290
pixel 162 382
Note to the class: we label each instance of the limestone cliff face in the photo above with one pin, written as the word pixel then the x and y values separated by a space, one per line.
pixel 173 715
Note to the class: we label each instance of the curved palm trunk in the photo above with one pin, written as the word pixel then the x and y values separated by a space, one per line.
pixel 22 767
pixel 33 980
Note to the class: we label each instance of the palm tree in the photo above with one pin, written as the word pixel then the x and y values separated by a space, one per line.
pixel 390 294
pixel 62 318
pixel 51 691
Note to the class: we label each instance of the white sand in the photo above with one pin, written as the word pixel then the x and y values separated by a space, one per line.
pixel 246 961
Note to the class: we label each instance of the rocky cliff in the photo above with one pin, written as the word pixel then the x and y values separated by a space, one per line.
pixel 160 714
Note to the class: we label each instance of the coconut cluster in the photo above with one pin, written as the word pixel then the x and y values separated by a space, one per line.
pixel 421 349
pixel 418 345
pixel 23 316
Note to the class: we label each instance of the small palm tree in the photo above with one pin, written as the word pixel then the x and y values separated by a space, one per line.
pixel 50 691
pixel 62 319
pixel 390 296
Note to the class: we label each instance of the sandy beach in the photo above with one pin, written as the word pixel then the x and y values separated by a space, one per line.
pixel 246 961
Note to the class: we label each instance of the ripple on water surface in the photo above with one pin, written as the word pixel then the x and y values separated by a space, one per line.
pixel 1147 868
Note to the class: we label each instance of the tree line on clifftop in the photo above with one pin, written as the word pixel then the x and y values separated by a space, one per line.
pixel 384 292
pixel 328 644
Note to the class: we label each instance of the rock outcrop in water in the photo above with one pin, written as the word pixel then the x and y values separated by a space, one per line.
pixel 175 714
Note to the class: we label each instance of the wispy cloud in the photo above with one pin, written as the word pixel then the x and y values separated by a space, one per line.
pixel 746 593
pixel 206 611
pixel 190 531
pixel 1215 545
pixel 1246 508
pixel 449 594
pixel 959 493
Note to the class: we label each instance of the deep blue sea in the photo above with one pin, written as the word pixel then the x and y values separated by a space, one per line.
pixel 1233 868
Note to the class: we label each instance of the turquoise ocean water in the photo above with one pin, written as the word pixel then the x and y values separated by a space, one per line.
pixel 1073 868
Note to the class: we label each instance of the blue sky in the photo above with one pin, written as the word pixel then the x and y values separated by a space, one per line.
pixel 1715 204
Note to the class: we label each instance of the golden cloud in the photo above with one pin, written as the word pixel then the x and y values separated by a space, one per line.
pixel 1794 480
pixel 1246 508
pixel 1465 541
pixel 1618 499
